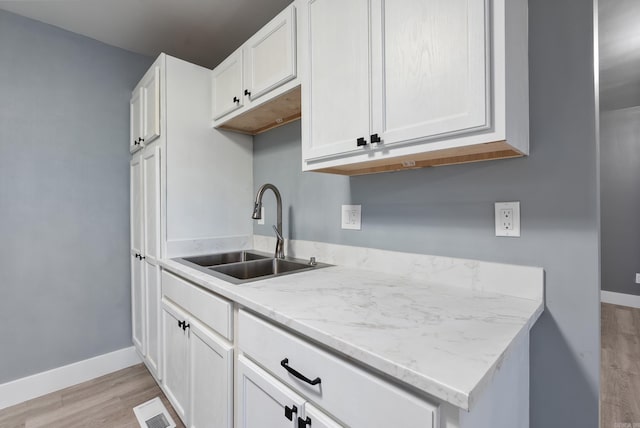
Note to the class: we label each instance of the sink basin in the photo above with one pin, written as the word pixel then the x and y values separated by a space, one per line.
pixel 224 258
pixel 259 268
pixel 238 267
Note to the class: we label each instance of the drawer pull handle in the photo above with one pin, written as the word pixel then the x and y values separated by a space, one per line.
pixel 285 363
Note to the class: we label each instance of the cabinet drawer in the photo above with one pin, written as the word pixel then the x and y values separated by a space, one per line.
pixel 213 311
pixel 350 394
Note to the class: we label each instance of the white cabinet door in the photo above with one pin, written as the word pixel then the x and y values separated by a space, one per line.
pixel 175 358
pixel 150 87
pixel 137 272
pixel 429 68
pixel 135 120
pixel 153 317
pixel 135 192
pixel 138 309
pixel 337 87
pixel 315 418
pixel 263 401
pixel 270 55
pixel 226 85
pixel 151 205
pixel 211 377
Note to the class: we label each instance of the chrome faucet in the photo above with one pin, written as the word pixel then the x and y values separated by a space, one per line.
pixel 257 215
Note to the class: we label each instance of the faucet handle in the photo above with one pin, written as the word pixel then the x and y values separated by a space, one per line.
pixel 278 234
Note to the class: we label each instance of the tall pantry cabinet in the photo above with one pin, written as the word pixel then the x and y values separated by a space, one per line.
pixel 190 187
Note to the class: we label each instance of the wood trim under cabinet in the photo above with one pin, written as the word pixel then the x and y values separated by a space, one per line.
pixel 456 155
pixel 281 110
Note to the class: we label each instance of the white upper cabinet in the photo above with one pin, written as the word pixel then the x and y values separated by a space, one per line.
pixel 226 86
pixel 151 88
pixel 145 110
pixel 270 55
pixel 257 87
pixel 337 90
pixel 400 84
pixel 431 80
pixel 136 120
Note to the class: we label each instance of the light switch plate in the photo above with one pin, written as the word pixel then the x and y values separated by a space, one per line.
pixel 638 278
pixel 351 217
pixel 507 217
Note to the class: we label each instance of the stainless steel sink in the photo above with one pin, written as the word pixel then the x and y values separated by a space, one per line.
pixel 239 267
pixel 224 258
pixel 259 268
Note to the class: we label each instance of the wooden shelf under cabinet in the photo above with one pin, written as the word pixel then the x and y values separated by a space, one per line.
pixel 277 112
pixel 456 155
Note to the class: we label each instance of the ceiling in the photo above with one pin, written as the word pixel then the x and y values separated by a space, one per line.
pixel 619 45
pixel 200 31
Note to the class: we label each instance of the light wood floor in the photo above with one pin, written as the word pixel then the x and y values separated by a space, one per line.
pixel 620 366
pixel 105 402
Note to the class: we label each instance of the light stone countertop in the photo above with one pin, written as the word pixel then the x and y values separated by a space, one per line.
pixel 446 341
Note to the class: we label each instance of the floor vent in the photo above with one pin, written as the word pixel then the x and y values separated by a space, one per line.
pixel 153 414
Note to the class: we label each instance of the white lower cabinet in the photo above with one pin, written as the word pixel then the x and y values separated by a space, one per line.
pixel 152 305
pixel 313 417
pixel 197 370
pixel 211 377
pixel 175 358
pixel 145 250
pixel 350 395
pixel 137 304
pixel 263 401
pixel 283 380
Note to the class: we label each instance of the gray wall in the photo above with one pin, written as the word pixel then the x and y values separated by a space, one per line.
pixel 64 196
pixel 449 210
pixel 620 198
pixel 620 143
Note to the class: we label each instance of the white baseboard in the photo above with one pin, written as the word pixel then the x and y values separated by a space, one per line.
pixel 39 384
pixel 621 299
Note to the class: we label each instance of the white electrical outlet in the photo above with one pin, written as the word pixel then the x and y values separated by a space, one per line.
pixel 261 220
pixel 507 218
pixel 638 278
pixel 351 217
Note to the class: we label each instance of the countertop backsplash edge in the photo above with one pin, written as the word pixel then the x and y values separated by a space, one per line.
pixel 525 282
